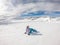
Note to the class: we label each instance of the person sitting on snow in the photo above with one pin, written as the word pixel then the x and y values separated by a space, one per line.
pixel 30 30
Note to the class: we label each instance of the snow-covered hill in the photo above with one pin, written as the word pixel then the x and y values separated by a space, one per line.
pixel 15 19
pixel 13 34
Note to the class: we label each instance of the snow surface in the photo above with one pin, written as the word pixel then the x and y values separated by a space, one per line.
pixel 13 33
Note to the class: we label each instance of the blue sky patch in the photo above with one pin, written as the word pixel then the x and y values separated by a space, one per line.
pixel 40 13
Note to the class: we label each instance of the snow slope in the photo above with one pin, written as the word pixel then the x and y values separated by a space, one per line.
pixel 13 34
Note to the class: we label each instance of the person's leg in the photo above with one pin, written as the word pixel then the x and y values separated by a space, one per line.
pixel 35 31
pixel 30 32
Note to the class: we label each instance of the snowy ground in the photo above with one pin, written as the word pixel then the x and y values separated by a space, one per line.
pixel 13 34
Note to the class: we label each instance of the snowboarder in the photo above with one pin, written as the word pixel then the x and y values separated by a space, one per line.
pixel 30 30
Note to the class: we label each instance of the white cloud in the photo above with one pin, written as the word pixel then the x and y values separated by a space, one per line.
pixel 7 7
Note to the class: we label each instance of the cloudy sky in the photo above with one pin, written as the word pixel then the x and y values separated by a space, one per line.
pixel 18 7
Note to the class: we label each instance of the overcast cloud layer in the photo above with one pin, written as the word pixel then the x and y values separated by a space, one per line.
pixel 16 7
